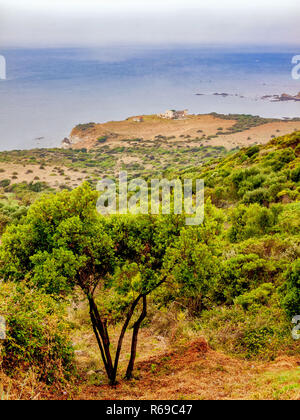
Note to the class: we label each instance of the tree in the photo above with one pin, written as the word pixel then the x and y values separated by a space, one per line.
pixel 192 265
pixel 140 245
pixel 117 261
pixel 64 243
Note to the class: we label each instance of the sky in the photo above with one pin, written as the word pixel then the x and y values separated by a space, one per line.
pixel 57 23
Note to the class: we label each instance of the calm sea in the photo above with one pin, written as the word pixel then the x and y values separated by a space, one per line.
pixel 48 91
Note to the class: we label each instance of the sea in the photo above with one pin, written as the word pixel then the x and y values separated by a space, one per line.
pixel 48 91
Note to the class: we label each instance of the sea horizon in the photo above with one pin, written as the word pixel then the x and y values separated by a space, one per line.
pixel 50 90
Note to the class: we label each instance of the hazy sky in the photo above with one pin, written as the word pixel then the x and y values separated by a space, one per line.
pixel 104 22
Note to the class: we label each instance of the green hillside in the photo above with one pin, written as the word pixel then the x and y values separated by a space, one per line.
pixel 234 280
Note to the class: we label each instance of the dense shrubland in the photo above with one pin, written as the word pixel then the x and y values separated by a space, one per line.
pixel 38 335
pixel 234 279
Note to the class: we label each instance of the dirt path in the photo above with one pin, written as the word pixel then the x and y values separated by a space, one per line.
pixel 190 372
pixel 197 372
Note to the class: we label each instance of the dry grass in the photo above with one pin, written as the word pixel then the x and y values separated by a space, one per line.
pixel 195 372
pixel 118 131
pixel 166 370
pixel 174 362
pixel 23 388
pixel 33 173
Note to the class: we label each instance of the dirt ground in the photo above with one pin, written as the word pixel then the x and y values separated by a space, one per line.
pixel 190 371
pixel 197 372
pixel 261 134
pixel 33 173
pixel 152 126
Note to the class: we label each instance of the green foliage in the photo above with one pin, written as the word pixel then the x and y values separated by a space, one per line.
pixel 289 140
pixel 295 174
pixel 262 332
pixel 192 262
pixel 252 151
pixel 102 139
pixel 5 183
pixel 37 335
pixel 243 121
pixel 259 178
pixel 195 270
pixel 61 243
pixel 240 257
pixel 140 245
pixel 259 296
pixel 259 195
pixel 291 290
pixel 289 219
pixel 241 273
pixel 10 213
pixel 255 340
pixel 84 127
pixel 280 158
pixel 252 220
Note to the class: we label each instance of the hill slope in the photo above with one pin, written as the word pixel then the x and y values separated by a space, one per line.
pixel 214 129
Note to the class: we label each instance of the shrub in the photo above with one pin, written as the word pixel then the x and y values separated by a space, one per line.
pixel 289 219
pixel 102 139
pixel 5 183
pixel 255 339
pixel 291 290
pixel 37 186
pixel 37 334
pixel 257 296
pixel 281 158
pixel 242 273
pixel 260 333
pixel 251 221
pixel 260 195
pixel 10 214
pixel 295 174
pixel 252 151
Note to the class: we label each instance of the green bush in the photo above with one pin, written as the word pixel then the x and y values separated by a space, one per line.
pixel 260 195
pixel 10 213
pixel 291 290
pixel 259 296
pixel 252 151
pixel 102 139
pixel 260 333
pixel 281 158
pixel 295 174
pixel 255 340
pixel 242 273
pixel 289 219
pixel 5 183
pixel 37 334
pixel 252 220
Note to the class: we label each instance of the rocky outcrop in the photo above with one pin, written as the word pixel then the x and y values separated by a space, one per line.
pixel 283 97
pixel 65 144
pixel 69 142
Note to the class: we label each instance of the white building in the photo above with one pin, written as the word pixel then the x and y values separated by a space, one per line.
pixel 171 114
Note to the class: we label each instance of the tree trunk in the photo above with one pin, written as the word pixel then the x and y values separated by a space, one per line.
pixel 136 328
pixel 124 328
pixel 101 334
